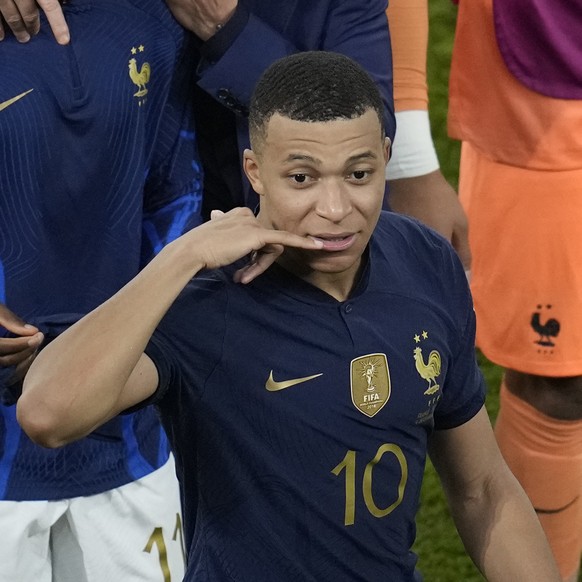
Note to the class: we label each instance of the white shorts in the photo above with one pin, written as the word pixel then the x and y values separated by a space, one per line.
pixel 129 534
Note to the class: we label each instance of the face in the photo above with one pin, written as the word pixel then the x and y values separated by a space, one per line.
pixel 323 180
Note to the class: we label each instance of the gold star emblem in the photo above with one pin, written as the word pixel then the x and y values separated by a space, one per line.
pixel 141 48
pixel 416 338
pixel 133 50
pixel 424 335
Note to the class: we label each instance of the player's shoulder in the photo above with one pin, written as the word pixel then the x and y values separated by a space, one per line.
pixel 404 249
pixel 408 233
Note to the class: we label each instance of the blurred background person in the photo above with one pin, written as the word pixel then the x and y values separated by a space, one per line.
pixel 238 40
pixel 98 171
pixel 416 185
pixel 516 104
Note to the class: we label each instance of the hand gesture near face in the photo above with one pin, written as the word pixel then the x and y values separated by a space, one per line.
pixel 231 236
pixel 22 17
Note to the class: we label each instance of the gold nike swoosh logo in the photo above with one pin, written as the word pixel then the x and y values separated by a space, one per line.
pixel 8 103
pixel 272 386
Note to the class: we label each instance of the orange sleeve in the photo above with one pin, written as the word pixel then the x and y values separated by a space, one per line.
pixel 408 20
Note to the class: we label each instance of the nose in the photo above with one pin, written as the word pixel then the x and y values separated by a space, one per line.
pixel 333 201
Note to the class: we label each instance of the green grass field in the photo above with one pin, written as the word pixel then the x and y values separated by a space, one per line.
pixel 442 557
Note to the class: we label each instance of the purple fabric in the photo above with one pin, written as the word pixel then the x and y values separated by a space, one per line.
pixel 541 43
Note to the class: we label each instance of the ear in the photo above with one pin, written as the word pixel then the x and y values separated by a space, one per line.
pixel 387 146
pixel 251 167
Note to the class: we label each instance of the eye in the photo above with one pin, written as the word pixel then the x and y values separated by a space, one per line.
pixel 300 179
pixel 359 176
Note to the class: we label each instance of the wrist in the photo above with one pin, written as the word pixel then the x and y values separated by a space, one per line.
pixel 413 153
pixel 179 260
pixel 207 28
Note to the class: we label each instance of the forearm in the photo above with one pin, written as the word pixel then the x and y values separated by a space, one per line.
pixel 79 380
pixel 97 368
pixel 496 521
pixel 502 534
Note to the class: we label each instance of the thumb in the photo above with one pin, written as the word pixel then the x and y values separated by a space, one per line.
pixel 216 214
pixel 14 324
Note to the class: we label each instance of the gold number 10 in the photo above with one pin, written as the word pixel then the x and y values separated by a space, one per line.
pixel 349 464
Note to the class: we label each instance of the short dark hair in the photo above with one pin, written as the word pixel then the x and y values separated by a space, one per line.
pixel 313 86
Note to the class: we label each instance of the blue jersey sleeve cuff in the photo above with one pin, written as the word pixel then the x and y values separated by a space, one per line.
pixel 214 48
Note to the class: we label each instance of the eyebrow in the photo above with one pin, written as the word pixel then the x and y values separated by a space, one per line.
pixel 302 158
pixel 368 155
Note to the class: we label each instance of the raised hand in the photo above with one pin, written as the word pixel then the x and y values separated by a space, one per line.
pixel 22 17
pixel 237 233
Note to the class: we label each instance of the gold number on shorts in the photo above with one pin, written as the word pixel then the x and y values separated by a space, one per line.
pixel 157 538
pixel 179 531
pixel 349 464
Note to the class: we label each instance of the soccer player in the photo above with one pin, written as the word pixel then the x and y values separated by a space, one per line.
pixel 236 41
pixel 302 388
pixel 516 102
pixel 98 171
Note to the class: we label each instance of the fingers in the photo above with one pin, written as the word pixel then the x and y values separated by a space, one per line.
pixel 263 258
pixel 230 236
pixel 22 17
pixel 14 324
pixel 14 351
pixel 216 214
pixel 260 261
pixel 56 19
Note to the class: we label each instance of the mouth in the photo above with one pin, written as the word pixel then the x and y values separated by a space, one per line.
pixel 335 242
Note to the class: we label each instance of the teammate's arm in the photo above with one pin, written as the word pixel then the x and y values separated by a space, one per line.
pixel 416 185
pixel 494 517
pixel 22 17
pixel 96 368
pixel 355 28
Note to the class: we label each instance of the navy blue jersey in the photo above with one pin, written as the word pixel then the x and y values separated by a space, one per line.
pixel 300 423
pixel 98 170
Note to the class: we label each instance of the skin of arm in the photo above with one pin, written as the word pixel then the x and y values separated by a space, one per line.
pixel 433 201
pixel 428 197
pixel 493 515
pixel 97 369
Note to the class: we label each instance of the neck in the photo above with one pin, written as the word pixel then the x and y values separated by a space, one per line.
pixel 338 285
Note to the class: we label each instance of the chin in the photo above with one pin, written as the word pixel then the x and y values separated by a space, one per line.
pixel 333 263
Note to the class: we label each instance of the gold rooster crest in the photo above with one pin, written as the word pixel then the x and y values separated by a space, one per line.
pixel 429 371
pixel 370 383
pixel 139 78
